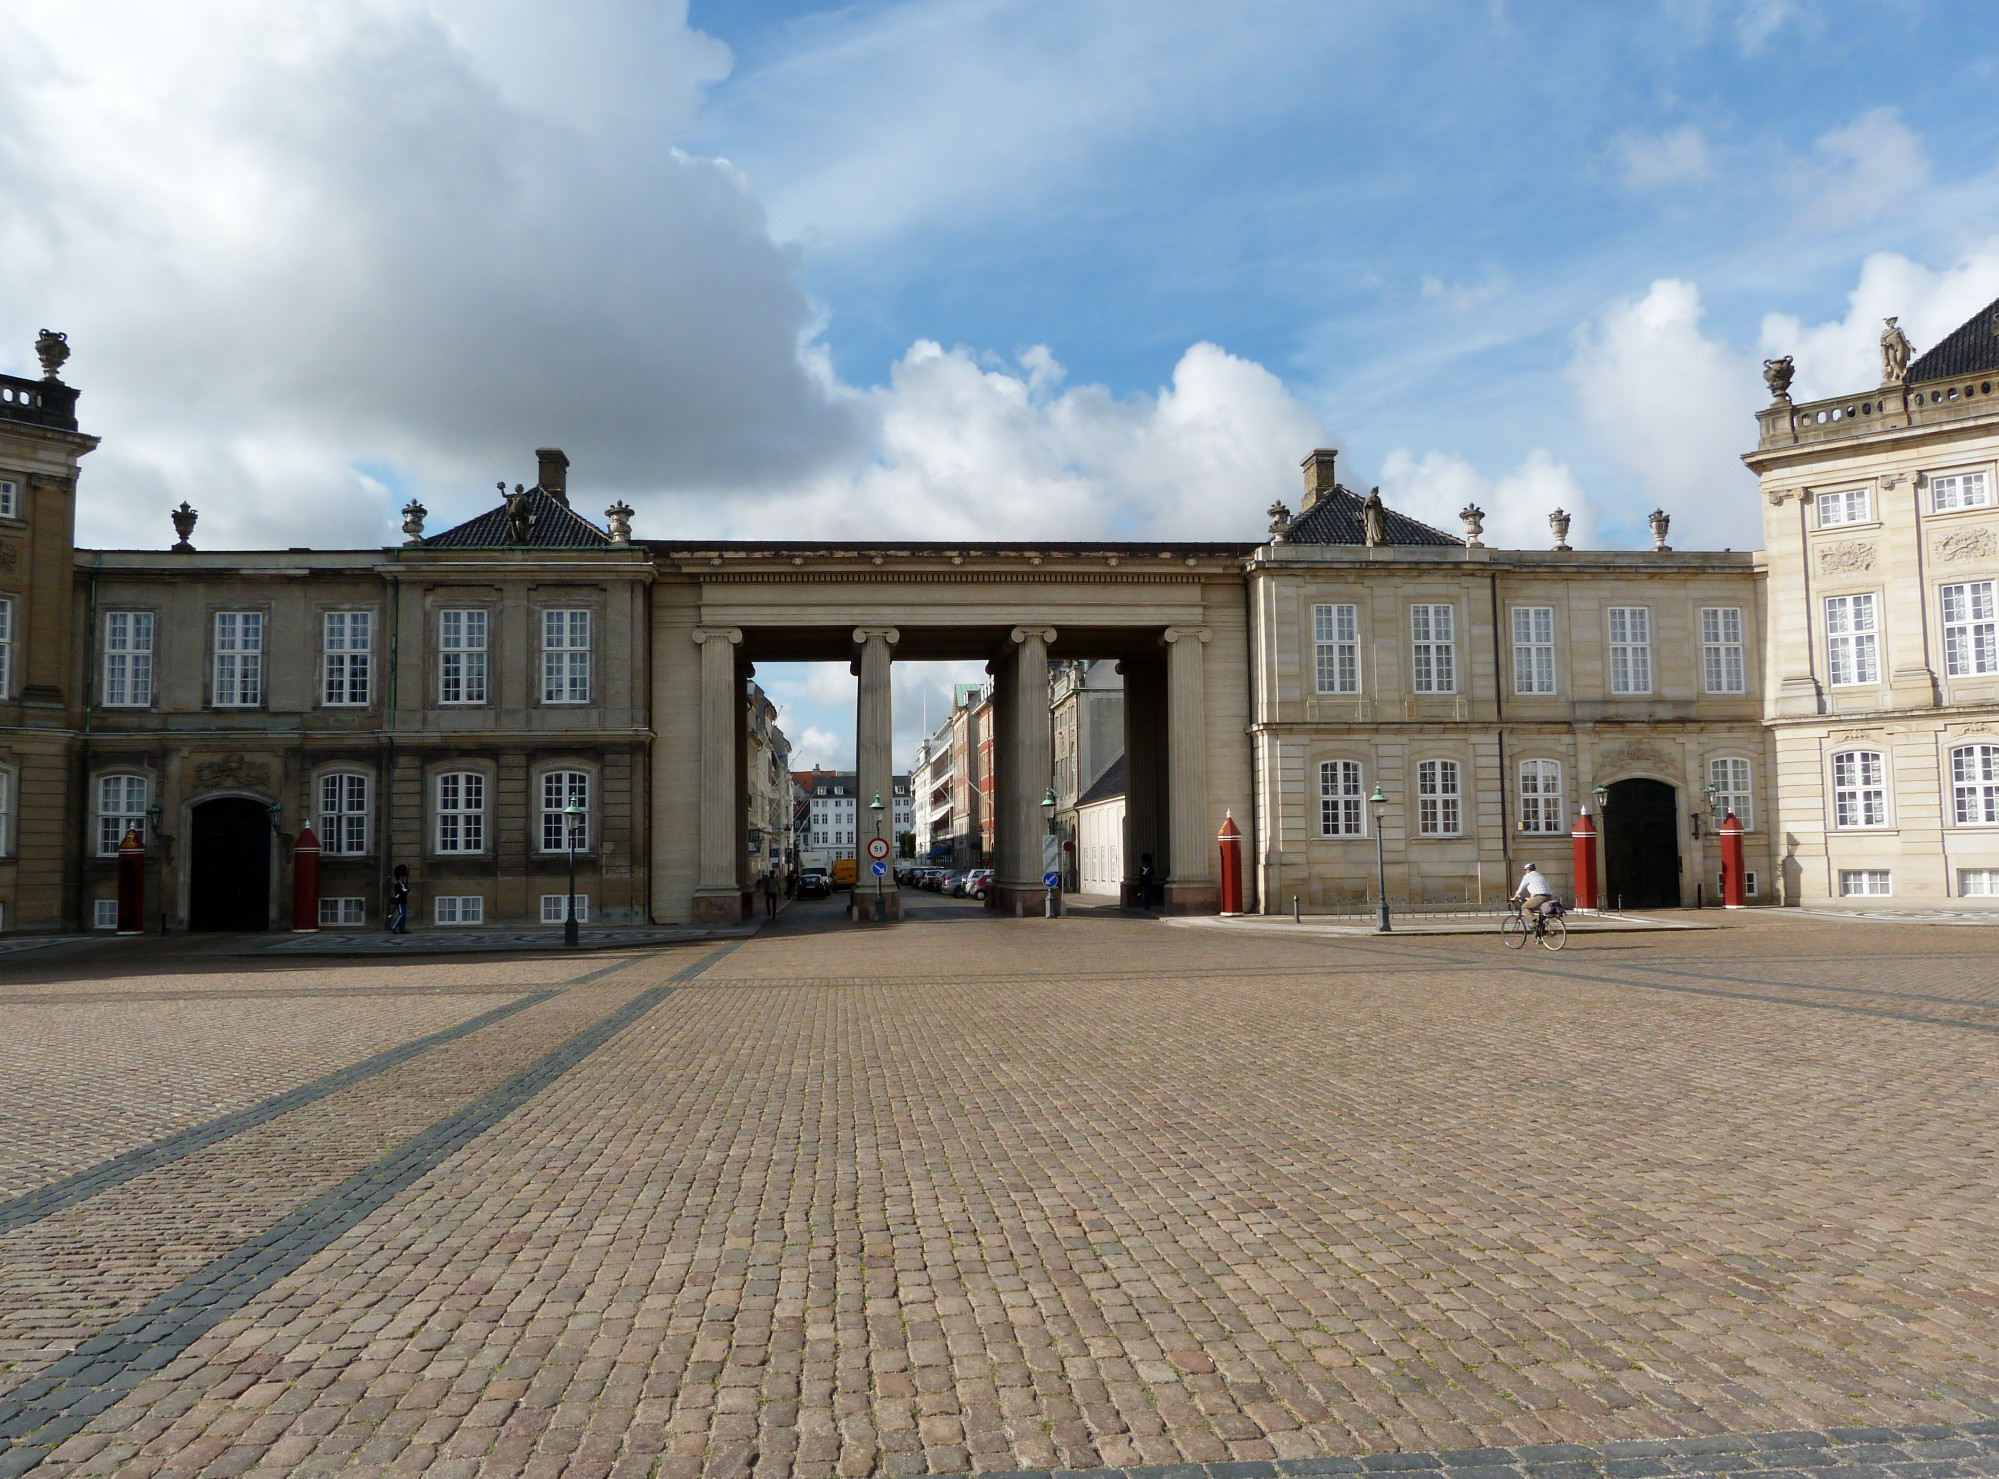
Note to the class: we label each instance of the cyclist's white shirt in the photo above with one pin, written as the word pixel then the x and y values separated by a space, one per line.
pixel 1534 886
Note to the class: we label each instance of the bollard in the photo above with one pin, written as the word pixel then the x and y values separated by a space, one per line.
pixel 1733 893
pixel 1230 840
pixel 1297 915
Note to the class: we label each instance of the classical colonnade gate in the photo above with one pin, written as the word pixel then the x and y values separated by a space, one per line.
pixel 1172 615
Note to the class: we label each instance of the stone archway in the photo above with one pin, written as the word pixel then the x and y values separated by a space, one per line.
pixel 1641 845
pixel 229 865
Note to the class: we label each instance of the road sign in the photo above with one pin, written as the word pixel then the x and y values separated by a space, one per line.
pixel 1051 853
pixel 878 849
pixel 880 869
pixel 1049 880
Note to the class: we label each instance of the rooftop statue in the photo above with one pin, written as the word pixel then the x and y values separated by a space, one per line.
pixel 1374 519
pixel 1895 352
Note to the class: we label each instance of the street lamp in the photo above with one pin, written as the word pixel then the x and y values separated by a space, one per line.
pixel 875 806
pixel 1602 799
pixel 1380 804
pixel 1051 901
pixel 572 821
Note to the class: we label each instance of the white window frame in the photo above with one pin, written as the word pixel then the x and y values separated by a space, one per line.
pixel 238 660
pixel 1974 785
pixel 1859 790
pixel 565 656
pixel 10 499
pixel 462 635
pixel 1846 506
pixel 133 794
pixel 1541 797
pixel 1724 660
pixel 1970 628
pixel 1954 490
pixel 1533 651
pixel 457 909
pixel 1734 778
pixel 8 791
pixel 1439 798
pixel 347 647
pixel 459 805
pixel 1852 641
pixel 555 908
pixel 1630 633
pixel 1433 648
pixel 1858 883
pixel 1342 807
pixel 344 811
pixel 6 647
pixel 128 660
pixel 1336 644
pixel 1987 885
pixel 342 911
pixel 560 787
pixel 104 914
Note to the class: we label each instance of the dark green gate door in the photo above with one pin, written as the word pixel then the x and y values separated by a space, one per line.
pixel 1641 846
pixel 229 866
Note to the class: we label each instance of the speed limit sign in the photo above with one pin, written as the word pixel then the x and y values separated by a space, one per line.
pixel 877 848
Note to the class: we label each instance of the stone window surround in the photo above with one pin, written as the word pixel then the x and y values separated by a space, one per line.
pixel 1824 592
pixel 1320 756
pixel 1926 504
pixel 1870 486
pixel 1412 768
pixel 1890 824
pixel 367 770
pixel 10 809
pixel 96 801
pixel 459 765
pixel 1947 742
pixel 1356 597
pixel 1520 761
pixel 439 600
pixel 1649 647
pixel 99 641
pixel 1698 795
pixel 593 828
pixel 1411 600
pixel 377 653
pixel 18 518
pixel 1557 639
pixel 266 641
pixel 545 599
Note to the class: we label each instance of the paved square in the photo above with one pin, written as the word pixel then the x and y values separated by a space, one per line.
pixel 992 1195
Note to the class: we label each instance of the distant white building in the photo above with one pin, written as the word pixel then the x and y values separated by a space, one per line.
pixel 839 819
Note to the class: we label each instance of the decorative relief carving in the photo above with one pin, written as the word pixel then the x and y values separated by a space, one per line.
pixel 10 553
pixel 1967 544
pixel 1848 554
pixel 233 772
pixel 1634 755
pixel 1855 737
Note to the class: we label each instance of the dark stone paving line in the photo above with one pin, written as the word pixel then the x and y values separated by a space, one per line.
pixel 301 993
pixel 33 1206
pixel 1931 1451
pixel 41 1414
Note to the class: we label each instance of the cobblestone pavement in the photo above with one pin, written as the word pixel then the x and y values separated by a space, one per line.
pixel 991 1195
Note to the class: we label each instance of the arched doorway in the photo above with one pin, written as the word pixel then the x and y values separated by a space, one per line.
pixel 1641 846
pixel 229 865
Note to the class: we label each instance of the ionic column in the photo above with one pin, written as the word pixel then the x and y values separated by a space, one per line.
pixel 718 897
pixel 874 766
pixel 1030 768
pixel 1190 881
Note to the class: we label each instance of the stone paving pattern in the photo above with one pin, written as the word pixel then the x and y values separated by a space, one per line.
pixel 978 1195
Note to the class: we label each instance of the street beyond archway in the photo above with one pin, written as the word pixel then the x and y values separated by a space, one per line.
pixel 993 1194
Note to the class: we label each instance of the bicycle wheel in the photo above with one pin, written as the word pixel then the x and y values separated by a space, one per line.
pixel 1513 932
pixel 1555 934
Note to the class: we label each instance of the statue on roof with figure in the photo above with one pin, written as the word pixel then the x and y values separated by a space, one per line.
pixel 1374 519
pixel 1895 353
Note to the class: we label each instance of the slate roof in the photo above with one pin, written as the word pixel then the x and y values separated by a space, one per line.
pixel 1336 519
pixel 556 526
pixel 1106 786
pixel 1972 348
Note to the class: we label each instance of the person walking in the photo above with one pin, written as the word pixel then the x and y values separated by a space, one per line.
pixel 770 894
pixel 399 901
pixel 1145 880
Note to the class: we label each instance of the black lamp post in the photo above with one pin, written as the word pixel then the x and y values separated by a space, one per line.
pixel 1051 900
pixel 572 819
pixel 881 910
pixel 1380 804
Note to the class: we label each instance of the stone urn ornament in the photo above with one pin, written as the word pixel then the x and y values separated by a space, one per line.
pixel 1474 520
pixel 619 517
pixel 184 518
pixel 53 349
pixel 413 517
pixel 1280 521
pixel 1777 374
pixel 1660 521
pixel 1559 522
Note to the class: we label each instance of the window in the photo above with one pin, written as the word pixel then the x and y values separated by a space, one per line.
pixel 1851 656
pixel 6 648
pixel 1974 784
pixel 1630 649
pixel 1859 790
pixel 6 812
pixel 1977 883
pixel 1730 779
pixel 555 908
pixel 1336 631
pixel 121 808
pixel 1722 669
pixel 239 659
pixel 461 812
pixel 104 914
pixel 1533 649
pixel 1432 633
pixel 560 788
pixel 1960 490
pixel 1849 507
pixel 1339 798
pixel 1748 883
pixel 343 911
pixel 1540 796
pixel 1863 883
pixel 10 499
pixel 565 657
pixel 460 908
pixel 343 813
pixel 461 655
pixel 128 659
pixel 349 644
pixel 1970 630
pixel 1437 797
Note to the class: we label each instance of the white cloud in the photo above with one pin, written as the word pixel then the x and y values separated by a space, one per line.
pixel 1844 355
pixel 1673 409
pixel 1516 505
pixel 1655 161
pixel 1463 297
pixel 1857 172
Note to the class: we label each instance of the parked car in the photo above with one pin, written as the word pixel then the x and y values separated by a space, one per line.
pixel 979 884
pixel 814 884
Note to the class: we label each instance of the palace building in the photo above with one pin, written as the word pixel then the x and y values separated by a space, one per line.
pixel 480 703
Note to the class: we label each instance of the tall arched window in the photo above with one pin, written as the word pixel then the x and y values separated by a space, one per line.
pixel 560 789
pixel 1974 784
pixel 1540 795
pixel 1438 811
pixel 461 811
pixel 1859 789
pixel 1339 798
pixel 343 813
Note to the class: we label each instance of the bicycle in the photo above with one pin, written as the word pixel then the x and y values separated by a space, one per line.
pixel 1549 929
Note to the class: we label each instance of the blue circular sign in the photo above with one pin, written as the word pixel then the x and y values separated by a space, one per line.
pixel 1049 880
pixel 880 869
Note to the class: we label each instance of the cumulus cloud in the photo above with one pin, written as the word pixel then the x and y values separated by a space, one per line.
pixel 1656 161
pixel 1857 172
pixel 1517 504
pixel 1672 408
pixel 1844 354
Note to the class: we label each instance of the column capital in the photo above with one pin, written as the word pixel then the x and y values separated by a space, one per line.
pixel 1174 634
pixel 1046 634
pixel 732 635
pixel 888 634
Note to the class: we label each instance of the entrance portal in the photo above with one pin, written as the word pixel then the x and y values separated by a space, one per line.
pixel 229 865
pixel 1641 846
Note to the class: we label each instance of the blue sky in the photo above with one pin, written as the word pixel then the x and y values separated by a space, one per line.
pixel 955 266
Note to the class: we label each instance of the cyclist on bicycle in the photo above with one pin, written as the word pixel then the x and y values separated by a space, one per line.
pixel 1536 898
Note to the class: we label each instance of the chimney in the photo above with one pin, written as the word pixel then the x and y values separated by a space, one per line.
pixel 554 474
pixel 1318 475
